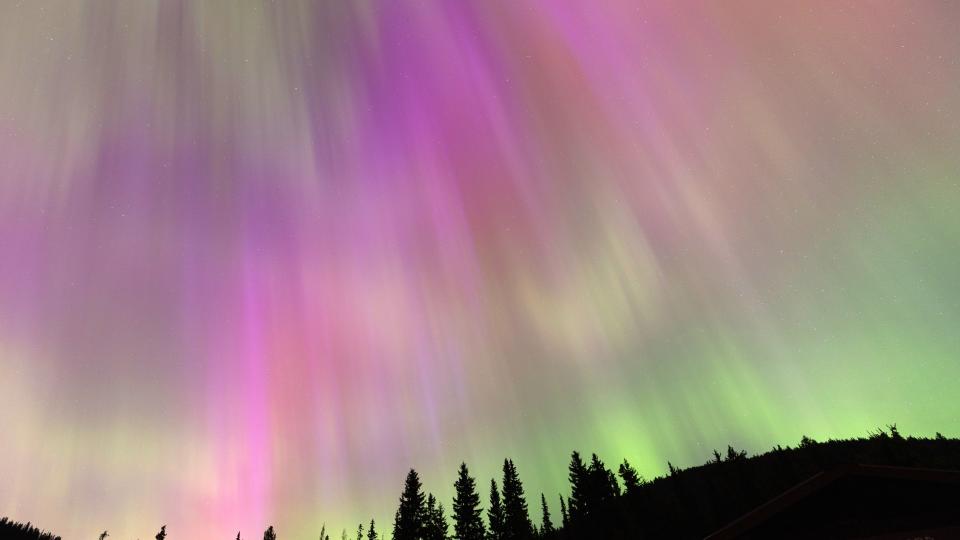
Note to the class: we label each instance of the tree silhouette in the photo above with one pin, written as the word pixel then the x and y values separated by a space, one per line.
pixel 409 520
pixel 603 484
pixel 577 503
pixel 734 455
pixel 631 479
pixel 104 534
pixel 546 526
pixel 269 534
pixel 563 514
pixel 602 492
pixel 435 523
pixel 467 513
pixel 162 534
pixel 516 516
pixel 495 514
pixel 372 531
pixel 360 531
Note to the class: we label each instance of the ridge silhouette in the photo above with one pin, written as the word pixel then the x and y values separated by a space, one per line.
pixel 902 482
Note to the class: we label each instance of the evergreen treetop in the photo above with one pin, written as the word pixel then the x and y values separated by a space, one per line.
pixel 546 526
pixel 410 516
pixel 495 514
pixel 467 513
pixel 631 479
pixel 515 513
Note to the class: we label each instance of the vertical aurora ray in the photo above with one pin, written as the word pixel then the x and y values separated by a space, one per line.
pixel 259 258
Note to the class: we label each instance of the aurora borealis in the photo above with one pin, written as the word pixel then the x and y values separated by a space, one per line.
pixel 259 258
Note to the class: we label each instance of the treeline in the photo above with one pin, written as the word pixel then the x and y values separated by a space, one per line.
pixel 618 503
pixel 23 531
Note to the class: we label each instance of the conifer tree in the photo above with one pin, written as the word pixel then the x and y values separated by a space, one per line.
pixel 440 521
pixel 631 479
pixel 360 531
pixel 546 527
pixel 516 516
pixel 409 520
pixel 495 514
pixel 436 522
pixel 428 532
pixel 269 534
pixel 103 535
pixel 563 513
pixel 577 503
pixel 238 535
pixel 372 531
pixel 467 513
pixel 162 534
pixel 603 484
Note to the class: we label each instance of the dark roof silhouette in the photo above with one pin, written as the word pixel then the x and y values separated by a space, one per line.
pixel 858 501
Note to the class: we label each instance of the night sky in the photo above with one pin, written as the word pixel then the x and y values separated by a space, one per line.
pixel 258 259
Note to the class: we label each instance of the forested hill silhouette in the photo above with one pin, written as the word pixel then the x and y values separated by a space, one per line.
pixel 839 489
pixel 22 531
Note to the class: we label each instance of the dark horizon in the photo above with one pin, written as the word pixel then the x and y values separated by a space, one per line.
pixel 762 495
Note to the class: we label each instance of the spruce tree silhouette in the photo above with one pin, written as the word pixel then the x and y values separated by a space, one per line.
pixel 733 455
pixel 631 479
pixel 467 513
pixel 577 503
pixel 435 526
pixel 495 514
pixel 603 484
pixel 546 526
pixel 372 531
pixel 162 534
pixel 409 520
pixel 269 534
pixel 238 535
pixel 563 514
pixel 516 517
pixel 602 492
pixel 360 531
pixel 104 534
